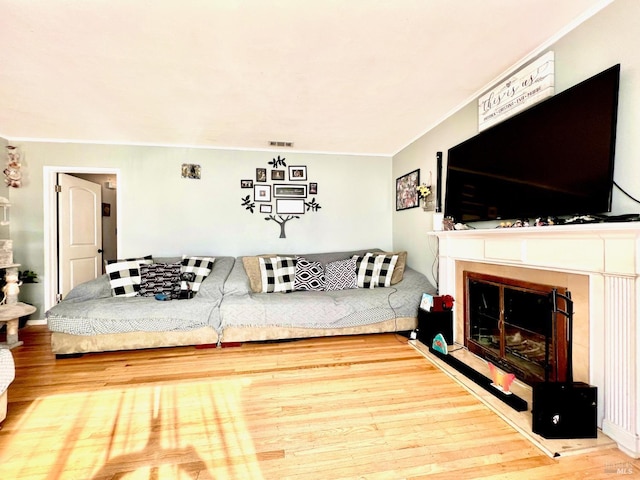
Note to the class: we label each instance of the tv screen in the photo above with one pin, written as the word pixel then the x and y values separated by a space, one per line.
pixel 553 159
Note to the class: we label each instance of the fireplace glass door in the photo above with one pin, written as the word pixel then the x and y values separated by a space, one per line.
pixel 513 325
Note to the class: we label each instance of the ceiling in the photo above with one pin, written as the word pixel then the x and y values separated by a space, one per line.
pixel 357 76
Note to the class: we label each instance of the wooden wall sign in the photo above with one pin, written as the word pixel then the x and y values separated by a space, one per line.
pixel 523 89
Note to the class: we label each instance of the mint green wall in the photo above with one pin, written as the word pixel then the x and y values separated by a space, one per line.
pixel 162 214
pixel 5 230
pixel 610 37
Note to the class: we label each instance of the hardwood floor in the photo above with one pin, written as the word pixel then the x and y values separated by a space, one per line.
pixel 367 407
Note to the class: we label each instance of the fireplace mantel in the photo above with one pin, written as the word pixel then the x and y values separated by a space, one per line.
pixel 608 254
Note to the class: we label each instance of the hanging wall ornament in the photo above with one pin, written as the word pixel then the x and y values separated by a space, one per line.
pixel 12 174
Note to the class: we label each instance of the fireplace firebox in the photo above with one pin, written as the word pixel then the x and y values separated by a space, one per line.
pixel 513 324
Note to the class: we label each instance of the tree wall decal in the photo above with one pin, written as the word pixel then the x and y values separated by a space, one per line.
pixel 248 204
pixel 279 162
pixel 282 221
pixel 289 198
pixel 312 206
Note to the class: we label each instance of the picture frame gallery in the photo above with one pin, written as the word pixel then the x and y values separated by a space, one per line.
pixel 280 193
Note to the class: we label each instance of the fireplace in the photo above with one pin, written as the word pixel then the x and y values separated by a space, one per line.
pixel 600 265
pixel 513 324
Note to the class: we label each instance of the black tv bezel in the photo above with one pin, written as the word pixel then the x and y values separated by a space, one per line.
pixel 602 203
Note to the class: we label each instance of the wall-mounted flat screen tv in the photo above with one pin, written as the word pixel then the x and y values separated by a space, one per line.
pixel 554 159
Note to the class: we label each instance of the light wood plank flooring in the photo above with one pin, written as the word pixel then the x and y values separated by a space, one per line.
pixel 365 407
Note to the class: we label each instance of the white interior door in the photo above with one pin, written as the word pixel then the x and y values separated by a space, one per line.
pixel 79 232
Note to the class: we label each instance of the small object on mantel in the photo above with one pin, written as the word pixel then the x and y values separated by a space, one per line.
pixel 448 224
pixel 10 314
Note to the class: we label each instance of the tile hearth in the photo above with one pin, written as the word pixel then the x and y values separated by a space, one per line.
pixel 521 421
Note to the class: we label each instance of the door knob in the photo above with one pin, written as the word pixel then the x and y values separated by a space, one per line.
pixel 100 250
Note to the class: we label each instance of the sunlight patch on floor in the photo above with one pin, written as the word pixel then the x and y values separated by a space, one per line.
pixel 174 430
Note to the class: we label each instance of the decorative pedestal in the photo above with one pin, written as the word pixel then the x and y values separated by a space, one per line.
pixel 10 315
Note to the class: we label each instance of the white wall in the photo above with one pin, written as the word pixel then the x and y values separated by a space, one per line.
pixel 410 227
pixel 162 214
pixel 608 38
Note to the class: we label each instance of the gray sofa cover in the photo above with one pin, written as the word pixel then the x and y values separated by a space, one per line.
pixel 247 315
pixel 225 309
pixel 91 319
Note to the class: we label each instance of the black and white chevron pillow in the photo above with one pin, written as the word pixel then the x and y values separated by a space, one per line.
pixel 309 275
pixel 160 278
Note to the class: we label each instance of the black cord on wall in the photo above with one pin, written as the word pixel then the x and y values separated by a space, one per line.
pixel 626 193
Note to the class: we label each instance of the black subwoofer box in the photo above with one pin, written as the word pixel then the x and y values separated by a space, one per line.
pixel 565 410
pixel 432 323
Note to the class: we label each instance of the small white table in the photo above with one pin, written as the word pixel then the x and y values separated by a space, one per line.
pixel 10 314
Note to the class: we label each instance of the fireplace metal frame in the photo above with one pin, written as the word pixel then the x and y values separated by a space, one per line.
pixel 556 337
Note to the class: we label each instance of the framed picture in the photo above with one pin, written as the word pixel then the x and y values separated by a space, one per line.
pixel 277 175
pixel 246 183
pixel 262 193
pixel 261 174
pixel 297 173
pixel 106 209
pixel 406 193
pixel 265 209
pixel 313 188
pixel 285 206
pixel 283 190
pixel 191 170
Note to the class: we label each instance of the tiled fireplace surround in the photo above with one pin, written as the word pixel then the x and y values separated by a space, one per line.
pixel 600 265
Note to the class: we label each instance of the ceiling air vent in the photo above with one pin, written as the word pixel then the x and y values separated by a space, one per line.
pixel 273 143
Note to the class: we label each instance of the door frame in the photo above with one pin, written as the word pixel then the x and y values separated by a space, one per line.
pixel 49 177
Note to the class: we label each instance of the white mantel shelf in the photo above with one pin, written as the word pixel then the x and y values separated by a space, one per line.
pixel 609 254
pixel 588 248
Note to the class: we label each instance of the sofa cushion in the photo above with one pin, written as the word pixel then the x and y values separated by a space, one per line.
pixel 341 274
pixel 124 276
pixel 328 257
pixel 252 263
pixel 398 269
pixel 161 278
pixel 145 259
pixel 277 274
pixel 309 275
pixel 252 267
pixel 193 271
pixel 375 270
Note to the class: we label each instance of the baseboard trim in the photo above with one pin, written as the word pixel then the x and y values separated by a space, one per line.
pixel 37 321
